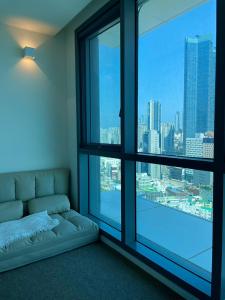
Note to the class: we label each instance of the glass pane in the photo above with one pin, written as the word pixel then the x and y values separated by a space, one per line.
pixel 105 86
pixel 105 189
pixel 174 213
pixel 176 85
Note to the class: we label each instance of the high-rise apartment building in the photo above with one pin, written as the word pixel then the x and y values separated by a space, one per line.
pixel 153 142
pixel 153 147
pixel 199 86
pixel 177 121
pixel 144 166
pixel 167 138
pixel 208 147
pixel 194 147
pixel 199 147
pixel 142 128
pixel 154 115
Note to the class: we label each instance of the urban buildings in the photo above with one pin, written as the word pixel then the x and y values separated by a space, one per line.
pixel 199 86
pixel 184 189
pixel 177 121
pixel 167 138
pixel 154 115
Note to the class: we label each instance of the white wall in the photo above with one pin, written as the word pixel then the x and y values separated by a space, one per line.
pixel 38 99
pixel 71 89
pixel 33 108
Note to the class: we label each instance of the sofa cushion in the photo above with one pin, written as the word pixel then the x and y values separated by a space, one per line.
pixel 25 227
pixel 16 246
pixel 64 237
pixel 43 236
pixel 82 223
pixel 65 228
pixel 44 184
pixel 53 204
pixel 11 210
pixel 7 188
pixel 25 186
pixel 61 181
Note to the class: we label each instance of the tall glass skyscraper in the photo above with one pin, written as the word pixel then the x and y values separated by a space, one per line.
pixel 154 115
pixel 199 86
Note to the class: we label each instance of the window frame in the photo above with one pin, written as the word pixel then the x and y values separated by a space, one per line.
pixel 82 38
pixel 126 10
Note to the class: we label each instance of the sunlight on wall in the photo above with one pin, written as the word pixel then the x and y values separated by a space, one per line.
pixel 31 25
pixel 28 65
pixel 23 38
pixel 27 38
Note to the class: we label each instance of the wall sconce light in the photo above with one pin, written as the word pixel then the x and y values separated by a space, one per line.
pixel 29 52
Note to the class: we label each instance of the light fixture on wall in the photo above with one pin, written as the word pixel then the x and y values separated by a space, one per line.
pixel 29 52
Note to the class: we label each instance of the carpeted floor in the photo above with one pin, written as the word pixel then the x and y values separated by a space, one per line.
pixel 93 272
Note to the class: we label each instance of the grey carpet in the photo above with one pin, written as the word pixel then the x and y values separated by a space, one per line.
pixel 92 272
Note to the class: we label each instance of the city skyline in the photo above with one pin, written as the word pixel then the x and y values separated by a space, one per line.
pixel 170 138
pixel 169 88
pixel 187 190
pixel 176 91
pixel 164 82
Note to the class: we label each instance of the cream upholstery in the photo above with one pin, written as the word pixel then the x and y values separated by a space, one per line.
pixel 53 204
pixel 28 185
pixel 73 231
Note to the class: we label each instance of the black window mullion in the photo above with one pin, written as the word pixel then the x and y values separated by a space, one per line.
pixel 81 90
pixel 182 162
pixel 100 21
pixel 87 103
pixel 218 270
pixel 128 124
pixel 101 152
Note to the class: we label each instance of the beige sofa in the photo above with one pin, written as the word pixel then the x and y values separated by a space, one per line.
pixel 73 231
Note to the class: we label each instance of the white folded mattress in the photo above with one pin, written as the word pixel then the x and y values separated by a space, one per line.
pixel 73 231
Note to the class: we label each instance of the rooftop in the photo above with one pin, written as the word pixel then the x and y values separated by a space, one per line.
pixel 187 237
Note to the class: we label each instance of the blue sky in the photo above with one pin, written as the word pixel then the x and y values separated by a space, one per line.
pixel 161 65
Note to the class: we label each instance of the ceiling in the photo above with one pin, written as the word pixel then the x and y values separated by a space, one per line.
pixel 152 13
pixel 43 16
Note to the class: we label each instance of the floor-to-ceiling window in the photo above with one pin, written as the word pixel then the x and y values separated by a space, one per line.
pixel 150 126
pixel 176 103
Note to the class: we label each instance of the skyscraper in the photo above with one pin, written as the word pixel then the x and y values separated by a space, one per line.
pixel 199 86
pixel 142 128
pixel 144 166
pixel 199 147
pixel 194 147
pixel 167 138
pixel 208 147
pixel 153 142
pixel 154 115
pixel 153 147
pixel 177 121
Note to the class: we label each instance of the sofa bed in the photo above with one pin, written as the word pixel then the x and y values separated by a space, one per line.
pixel 36 191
